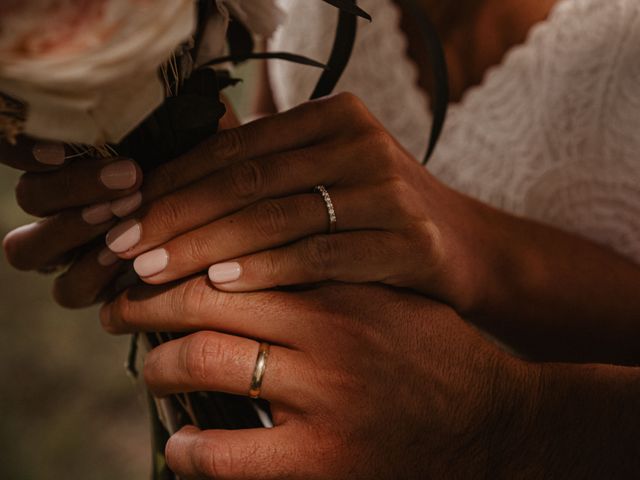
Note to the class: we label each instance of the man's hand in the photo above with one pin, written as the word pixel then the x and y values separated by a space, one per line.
pixel 364 381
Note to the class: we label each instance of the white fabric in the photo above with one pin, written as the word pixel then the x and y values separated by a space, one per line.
pixel 552 134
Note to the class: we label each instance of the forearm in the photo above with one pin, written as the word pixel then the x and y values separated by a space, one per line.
pixel 585 424
pixel 555 296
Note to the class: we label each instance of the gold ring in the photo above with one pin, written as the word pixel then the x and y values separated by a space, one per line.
pixel 258 371
pixel 333 221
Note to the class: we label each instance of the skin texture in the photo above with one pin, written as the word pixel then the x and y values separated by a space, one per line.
pixel 235 201
pixel 355 393
pixel 332 380
pixel 463 409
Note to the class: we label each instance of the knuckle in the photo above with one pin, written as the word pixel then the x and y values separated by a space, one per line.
pixel 269 268
pixel 319 254
pixel 151 369
pixel 166 214
pixel 247 179
pixel 351 102
pixel 230 143
pixel 192 300
pixel 429 240
pixel 398 193
pixel 270 218
pixel 379 141
pixel 212 460
pixel 198 249
pixel 197 352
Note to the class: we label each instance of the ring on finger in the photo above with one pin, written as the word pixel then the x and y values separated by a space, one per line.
pixel 333 221
pixel 258 371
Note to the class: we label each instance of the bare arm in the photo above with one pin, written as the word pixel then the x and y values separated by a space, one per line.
pixel 557 296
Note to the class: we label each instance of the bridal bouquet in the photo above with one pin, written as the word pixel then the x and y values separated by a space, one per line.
pixel 142 78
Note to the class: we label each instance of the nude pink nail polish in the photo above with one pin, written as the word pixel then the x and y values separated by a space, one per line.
pixel 97 214
pixel 125 236
pixel 106 258
pixel 151 263
pixel 127 205
pixel 49 153
pixel 225 272
pixel 119 175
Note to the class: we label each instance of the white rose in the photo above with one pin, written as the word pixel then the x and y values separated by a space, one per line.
pixel 262 17
pixel 87 69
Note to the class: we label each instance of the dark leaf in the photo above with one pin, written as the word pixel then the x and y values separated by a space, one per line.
pixel 289 57
pixel 340 54
pixel 239 39
pixel 179 124
pixel 349 6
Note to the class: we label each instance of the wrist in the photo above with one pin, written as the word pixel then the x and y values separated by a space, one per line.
pixel 580 421
pixel 490 258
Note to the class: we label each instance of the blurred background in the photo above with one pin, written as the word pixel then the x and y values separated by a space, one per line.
pixel 68 410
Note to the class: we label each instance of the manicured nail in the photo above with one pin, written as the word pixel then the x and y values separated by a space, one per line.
pixel 127 205
pixel 97 214
pixel 106 258
pixel 225 272
pixel 119 175
pixel 49 153
pixel 151 263
pixel 125 236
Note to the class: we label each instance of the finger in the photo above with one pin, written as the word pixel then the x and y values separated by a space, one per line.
pixel 40 244
pixel 264 225
pixel 223 193
pixel 354 257
pixel 81 183
pixel 295 129
pixel 194 305
pixel 84 282
pixel 217 362
pixel 32 156
pixel 252 454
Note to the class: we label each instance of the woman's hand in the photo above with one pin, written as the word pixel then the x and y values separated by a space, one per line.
pixel 364 381
pixel 257 222
pixel 78 201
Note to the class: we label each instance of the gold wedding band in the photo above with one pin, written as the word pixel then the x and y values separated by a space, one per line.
pixel 333 221
pixel 258 371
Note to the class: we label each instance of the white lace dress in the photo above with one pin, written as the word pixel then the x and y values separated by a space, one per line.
pixel 552 134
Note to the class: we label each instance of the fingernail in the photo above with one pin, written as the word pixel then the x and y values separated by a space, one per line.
pixel 49 153
pixel 97 214
pixel 119 175
pixel 106 258
pixel 125 236
pixel 127 205
pixel 151 263
pixel 225 272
